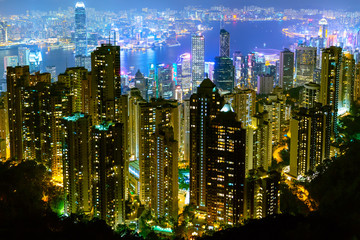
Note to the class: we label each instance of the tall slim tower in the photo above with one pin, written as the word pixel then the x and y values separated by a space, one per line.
pixel 225 169
pixel 108 171
pixel 286 74
pixel 105 61
pixel 77 163
pixel 80 34
pixel 329 88
pixel 203 108
pixel 17 79
pixel 224 43
pixel 164 162
pixel 197 60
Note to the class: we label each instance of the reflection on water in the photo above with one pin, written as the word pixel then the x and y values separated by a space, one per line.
pixel 245 36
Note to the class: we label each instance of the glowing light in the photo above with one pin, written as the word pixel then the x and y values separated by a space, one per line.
pixel 80 5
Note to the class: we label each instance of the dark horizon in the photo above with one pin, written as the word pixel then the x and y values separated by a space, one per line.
pixel 46 5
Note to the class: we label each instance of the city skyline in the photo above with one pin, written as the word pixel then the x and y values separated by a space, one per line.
pixel 281 4
pixel 191 146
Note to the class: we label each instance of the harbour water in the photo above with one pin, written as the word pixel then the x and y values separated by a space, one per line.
pixel 245 37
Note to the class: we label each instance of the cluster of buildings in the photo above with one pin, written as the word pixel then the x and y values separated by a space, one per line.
pixel 105 142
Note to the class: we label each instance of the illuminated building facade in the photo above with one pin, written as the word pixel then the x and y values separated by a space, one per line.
pixel 310 95
pixel 35 61
pixel 286 69
pixel 141 84
pixel 164 162
pixel 80 34
pixel 305 64
pixel 356 91
pixel 184 72
pixel 329 88
pixel 108 172
pixel 262 194
pixel 197 60
pixel 77 164
pixel 204 105
pixel 17 79
pixel 308 144
pixel 36 119
pixel 224 44
pixel 265 84
pixel 224 73
pixel 244 104
pixel 225 164
pixel 60 107
pixel 346 83
pixel 151 115
pixel 209 70
pixel 259 143
pixel 105 67
pixel 73 79
pixel 4 127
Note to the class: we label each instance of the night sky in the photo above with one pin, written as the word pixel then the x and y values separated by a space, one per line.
pixel 20 6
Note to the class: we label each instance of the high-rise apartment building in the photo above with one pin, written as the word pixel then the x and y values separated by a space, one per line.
pixel 308 144
pixel 346 83
pixel 164 165
pixel 73 79
pixel 17 79
pixel 329 88
pixel 150 116
pixel 77 164
pixel 105 67
pixel 108 172
pixel 204 105
pixel 310 95
pixel 225 169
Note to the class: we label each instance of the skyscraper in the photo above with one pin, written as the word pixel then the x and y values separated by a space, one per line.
pixel 17 79
pixel 224 43
pixel 346 83
pixel 224 73
pixel 60 107
pixel 305 63
pixel 150 117
pixel 80 34
pixel 286 74
pixel 108 172
pixel 197 60
pixel 225 169
pixel 329 88
pixel 184 72
pixel 164 162
pixel 204 105
pixel 105 61
pixel 77 164
pixel 73 79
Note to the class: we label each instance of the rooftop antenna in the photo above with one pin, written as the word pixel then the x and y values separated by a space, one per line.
pixel 109 37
